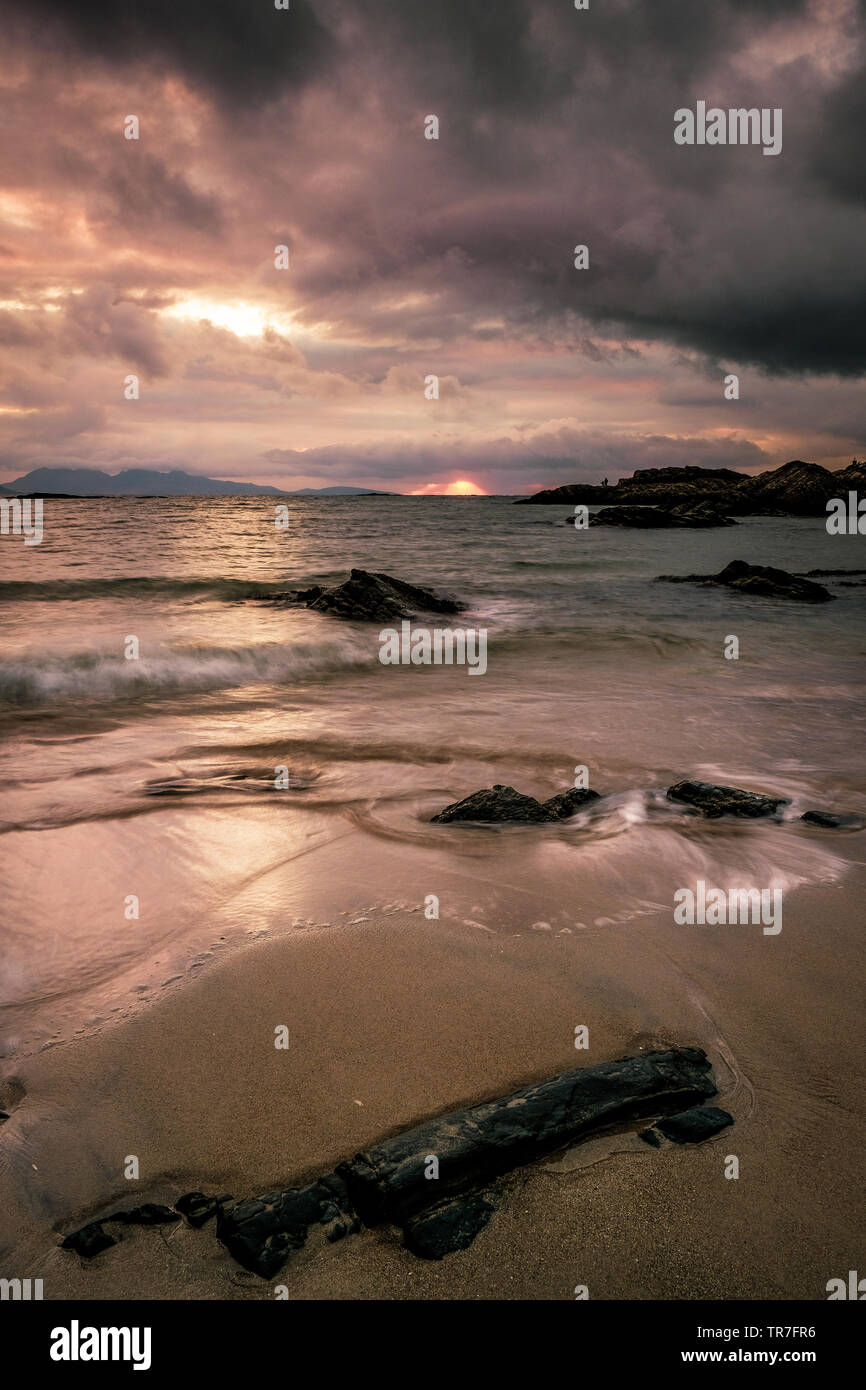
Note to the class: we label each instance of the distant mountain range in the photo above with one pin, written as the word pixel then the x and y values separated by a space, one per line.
pixel 149 482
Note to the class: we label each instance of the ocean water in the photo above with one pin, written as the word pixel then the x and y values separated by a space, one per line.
pixel 142 831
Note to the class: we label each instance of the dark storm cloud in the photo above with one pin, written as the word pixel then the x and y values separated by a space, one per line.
pixel 231 47
pixel 455 256
pixel 837 149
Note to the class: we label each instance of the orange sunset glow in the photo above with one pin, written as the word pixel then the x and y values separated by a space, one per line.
pixel 461 487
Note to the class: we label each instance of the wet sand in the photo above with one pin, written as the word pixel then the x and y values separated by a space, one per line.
pixel 398 1018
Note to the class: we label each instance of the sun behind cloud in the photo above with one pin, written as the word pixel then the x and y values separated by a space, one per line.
pixel 461 487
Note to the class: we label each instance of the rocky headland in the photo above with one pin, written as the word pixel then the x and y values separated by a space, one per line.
pixel 796 488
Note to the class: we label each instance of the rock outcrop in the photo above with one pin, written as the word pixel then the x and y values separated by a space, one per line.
pixel 796 488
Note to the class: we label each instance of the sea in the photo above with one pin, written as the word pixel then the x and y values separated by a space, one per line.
pixel 188 766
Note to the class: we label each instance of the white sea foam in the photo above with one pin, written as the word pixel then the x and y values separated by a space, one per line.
pixel 107 675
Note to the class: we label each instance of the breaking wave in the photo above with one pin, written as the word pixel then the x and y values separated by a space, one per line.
pixel 109 676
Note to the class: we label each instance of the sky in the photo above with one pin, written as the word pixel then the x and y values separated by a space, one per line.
pixel 411 258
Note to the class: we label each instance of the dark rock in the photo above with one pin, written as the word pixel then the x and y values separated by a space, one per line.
pixel 444 1229
pixel 691 1126
pixel 802 489
pixel 647 517
pixel 495 804
pixel 500 804
pixel 368 597
pixel 376 597
pixel 649 1136
pixel 147 1215
pixel 683 515
pixel 572 494
pixel 760 580
pixel 566 804
pixel 664 487
pixel 795 489
pixel 708 513
pixel 725 801
pixel 671 486
pixel 854 476
pixel 818 574
pixel 475 1146
pixel 261 1232
pixel 834 820
pixel 197 1208
pixel 89 1240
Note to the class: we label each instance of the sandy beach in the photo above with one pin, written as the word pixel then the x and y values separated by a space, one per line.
pixel 396 1019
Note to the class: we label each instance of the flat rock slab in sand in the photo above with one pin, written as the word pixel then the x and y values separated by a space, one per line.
pixel 716 801
pixel 503 805
pixel 760 580
pixel 475 1146
pixel 394 1182
pixel 370 596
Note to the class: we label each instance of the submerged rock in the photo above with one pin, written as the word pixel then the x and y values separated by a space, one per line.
pixel 760 580
pixel 501 804
pixel 691 1126
pixel 716 801
pixel 834 820
pixel 444 1229
pixel 88 1240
